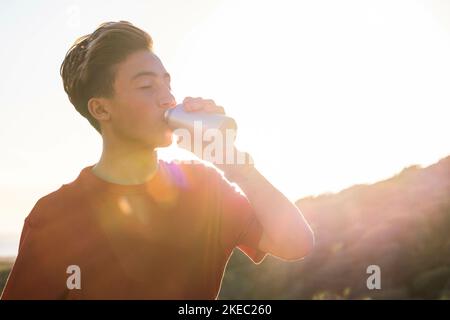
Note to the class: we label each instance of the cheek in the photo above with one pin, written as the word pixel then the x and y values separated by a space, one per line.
pixel 137 114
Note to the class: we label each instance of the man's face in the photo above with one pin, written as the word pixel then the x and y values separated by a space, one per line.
pixel 142 94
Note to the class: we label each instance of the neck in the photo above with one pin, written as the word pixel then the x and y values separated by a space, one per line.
pixel 126 164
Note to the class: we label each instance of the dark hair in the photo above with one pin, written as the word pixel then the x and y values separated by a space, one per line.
pixel 89 67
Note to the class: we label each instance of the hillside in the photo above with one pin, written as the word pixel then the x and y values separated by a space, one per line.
pixel 401 224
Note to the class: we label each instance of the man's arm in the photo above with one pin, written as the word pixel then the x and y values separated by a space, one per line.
pixel 286 234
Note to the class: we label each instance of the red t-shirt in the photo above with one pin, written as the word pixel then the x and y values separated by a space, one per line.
pixel 169 238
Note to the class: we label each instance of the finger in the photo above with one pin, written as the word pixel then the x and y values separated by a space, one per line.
pixel 196 106
pixel 200 104
pixel 216 109
pixel 209 102
pixel 220 109
pixel 187 107
pixel 191 104
pixel 210 105
pixel 185 103
pixel 188 99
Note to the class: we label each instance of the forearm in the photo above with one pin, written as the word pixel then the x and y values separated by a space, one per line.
pixel 282 221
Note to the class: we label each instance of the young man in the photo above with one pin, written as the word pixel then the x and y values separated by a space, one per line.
pixel 133 226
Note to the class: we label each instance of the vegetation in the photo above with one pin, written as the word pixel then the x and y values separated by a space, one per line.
pixel 401 224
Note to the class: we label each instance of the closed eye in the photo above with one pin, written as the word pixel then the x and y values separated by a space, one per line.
pixel 148 87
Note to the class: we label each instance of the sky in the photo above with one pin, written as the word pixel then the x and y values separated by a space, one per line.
pixel 326 94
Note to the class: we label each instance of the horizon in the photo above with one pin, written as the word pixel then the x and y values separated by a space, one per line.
pixel 9 248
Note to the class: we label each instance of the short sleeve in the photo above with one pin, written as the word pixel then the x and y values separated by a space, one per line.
pixel 34 275
pixel 239 226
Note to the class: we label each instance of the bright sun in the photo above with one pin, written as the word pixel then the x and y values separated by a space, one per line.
pixel 326 94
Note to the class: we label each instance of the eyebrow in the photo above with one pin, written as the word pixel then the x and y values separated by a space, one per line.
pixel 149 73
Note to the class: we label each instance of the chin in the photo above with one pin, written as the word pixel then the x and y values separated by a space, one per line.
pixel 166 140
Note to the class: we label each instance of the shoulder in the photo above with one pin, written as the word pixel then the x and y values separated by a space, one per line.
pixel 56 205
pixel 44 207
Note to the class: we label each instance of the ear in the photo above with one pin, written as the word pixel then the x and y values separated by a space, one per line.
pixel 99 108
